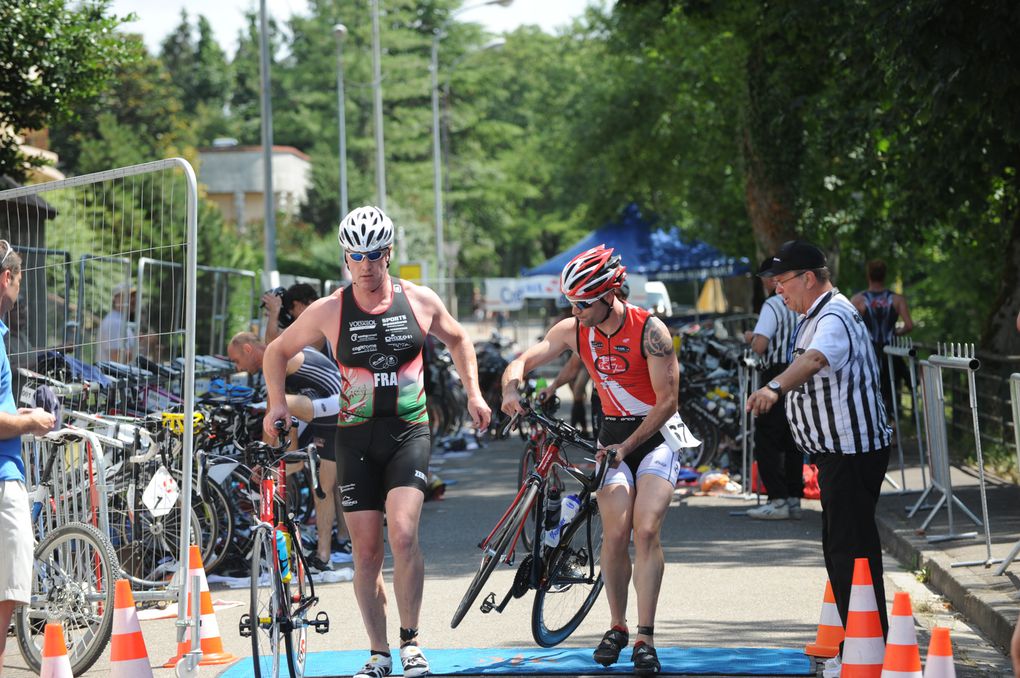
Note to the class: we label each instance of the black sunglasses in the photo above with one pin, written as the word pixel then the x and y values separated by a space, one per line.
pixel 371 256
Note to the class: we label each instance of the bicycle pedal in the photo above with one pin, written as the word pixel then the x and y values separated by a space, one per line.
pixel 321 622
pixel 244 626
pixel 489 604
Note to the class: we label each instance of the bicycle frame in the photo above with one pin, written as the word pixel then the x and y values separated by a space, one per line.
pixel 543 564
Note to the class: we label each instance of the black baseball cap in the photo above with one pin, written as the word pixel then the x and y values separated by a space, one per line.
pixel 766 264
pixel 794 255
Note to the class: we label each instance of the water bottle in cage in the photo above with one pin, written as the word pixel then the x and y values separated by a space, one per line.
pixel 551 532
pixel 283 554
pixel 569 507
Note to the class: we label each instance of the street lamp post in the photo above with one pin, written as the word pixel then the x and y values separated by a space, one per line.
pixel 437 172
pixel 340 32
pixel 269 204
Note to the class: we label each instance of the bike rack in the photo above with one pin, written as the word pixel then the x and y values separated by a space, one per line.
pixel 748 376
pixel 903 347
pixel 1014 391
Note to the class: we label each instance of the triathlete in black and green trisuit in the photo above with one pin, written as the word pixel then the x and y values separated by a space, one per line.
pixel 385 440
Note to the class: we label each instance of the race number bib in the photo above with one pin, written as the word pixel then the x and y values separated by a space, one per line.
pixel 160 496
pixel 677 435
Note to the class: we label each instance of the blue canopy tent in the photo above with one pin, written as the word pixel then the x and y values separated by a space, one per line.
pixel 658 254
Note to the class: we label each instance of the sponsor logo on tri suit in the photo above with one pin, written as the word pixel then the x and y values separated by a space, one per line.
pixel 361 325
pixel 386 378
pixel 611 364
pixel 419 474
pixel 622 349
pixel 349 501
pixel 364 348
pixel 392 338
pixel 395 320
pixel 364 337
pixel 597 344
pixel 401 346
pixel 381 361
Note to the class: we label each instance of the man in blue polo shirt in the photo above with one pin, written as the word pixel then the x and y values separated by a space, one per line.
pixel 16 541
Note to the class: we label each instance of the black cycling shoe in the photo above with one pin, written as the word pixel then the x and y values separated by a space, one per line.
pixel 316 565
pixel 613 642
pixel 646 661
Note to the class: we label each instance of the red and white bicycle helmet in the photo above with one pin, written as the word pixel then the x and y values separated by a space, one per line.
pixel 591 274
pixel 365 229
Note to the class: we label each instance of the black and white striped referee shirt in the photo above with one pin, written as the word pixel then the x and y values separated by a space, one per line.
pixel 839 409
pixel 776 323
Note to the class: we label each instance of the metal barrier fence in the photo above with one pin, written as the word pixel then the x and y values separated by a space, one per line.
pixel 958 357
pixel 1014 391
pixel 105 224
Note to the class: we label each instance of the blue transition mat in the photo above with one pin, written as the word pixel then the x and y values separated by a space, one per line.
pixel 741 661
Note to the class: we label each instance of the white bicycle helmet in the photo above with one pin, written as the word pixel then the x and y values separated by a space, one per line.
pixel 365 229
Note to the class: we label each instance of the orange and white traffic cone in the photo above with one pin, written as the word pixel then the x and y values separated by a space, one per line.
pixel 128 656
pixel 830 628
pixel 209 631
pixel 902 656
pixel 939 662
pixel 863 648
pixel 55 663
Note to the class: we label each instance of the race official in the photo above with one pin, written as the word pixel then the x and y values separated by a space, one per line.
pixel 834 406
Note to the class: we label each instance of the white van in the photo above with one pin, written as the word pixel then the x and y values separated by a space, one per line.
pixel 657 299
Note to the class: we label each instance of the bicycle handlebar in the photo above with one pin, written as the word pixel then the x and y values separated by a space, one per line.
pixel 564 432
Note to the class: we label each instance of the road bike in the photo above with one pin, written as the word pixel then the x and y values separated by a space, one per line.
pixel 566 577
pixel 282 591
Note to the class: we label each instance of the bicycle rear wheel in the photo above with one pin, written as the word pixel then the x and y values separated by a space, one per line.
pixel 490 557
pixel 703 430
pixel 267 605
pixel 573 583
pixel 73 580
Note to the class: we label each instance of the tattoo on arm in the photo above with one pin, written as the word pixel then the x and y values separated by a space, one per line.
pixel 657 341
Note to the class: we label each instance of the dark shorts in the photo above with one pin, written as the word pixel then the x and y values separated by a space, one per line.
pixel 377 456
pixel 323 433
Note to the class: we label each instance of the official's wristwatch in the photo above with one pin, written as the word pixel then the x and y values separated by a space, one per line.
pixel 775 387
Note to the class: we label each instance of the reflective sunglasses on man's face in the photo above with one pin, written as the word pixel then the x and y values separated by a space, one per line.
pixel 584 305
pixel 371 256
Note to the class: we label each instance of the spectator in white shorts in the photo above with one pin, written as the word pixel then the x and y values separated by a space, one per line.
pixel 16 540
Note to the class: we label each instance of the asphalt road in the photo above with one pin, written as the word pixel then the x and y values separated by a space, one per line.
pixel 729 582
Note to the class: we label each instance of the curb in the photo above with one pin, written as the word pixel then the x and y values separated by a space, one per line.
pixel 988 610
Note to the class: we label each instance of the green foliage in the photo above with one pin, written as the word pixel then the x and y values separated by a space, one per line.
pixel 57 56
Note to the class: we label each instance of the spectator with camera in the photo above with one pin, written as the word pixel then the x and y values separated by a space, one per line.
pixel 284 306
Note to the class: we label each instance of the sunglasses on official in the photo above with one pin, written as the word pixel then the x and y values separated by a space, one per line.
pixel 371 256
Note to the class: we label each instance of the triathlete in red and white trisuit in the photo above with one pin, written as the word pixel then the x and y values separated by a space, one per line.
pixel 629 355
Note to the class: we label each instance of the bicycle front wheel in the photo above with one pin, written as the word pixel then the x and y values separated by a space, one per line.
pixel 573 583
pixel 73 580
pixel 266 610
pixel 529 461
pixel 497 546
pixel 297 596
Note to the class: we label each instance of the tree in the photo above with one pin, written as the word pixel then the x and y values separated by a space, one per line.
pixel 57 56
